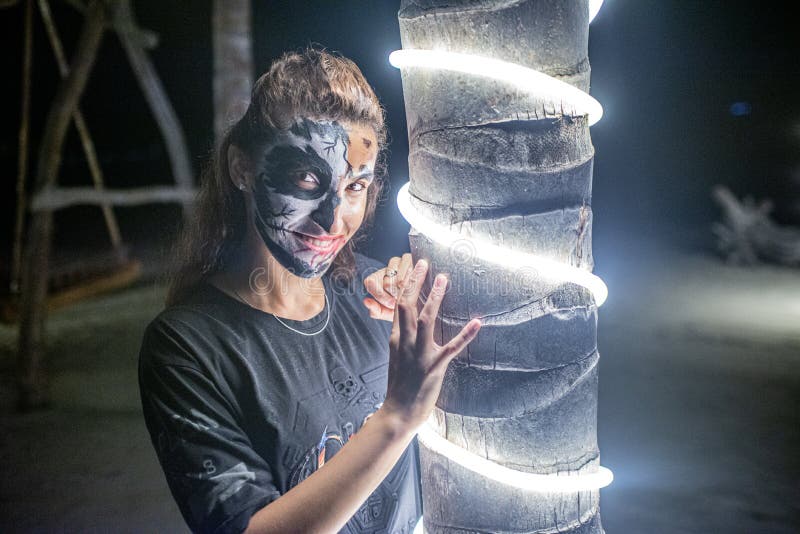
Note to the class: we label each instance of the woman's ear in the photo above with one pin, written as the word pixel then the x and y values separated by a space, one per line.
pixel 238 168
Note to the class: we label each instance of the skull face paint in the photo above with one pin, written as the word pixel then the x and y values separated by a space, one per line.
pixel 301 179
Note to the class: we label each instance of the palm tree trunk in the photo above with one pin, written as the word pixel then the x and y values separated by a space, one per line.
pixel 233 62
pixel 498 162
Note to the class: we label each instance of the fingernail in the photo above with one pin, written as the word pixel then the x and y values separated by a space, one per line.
pixel 421 264
pixel 440 281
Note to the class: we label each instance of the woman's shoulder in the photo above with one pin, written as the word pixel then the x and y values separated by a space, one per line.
pixel 183 332
pixel 201 308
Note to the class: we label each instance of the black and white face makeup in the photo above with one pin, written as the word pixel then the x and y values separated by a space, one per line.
pixel 301 178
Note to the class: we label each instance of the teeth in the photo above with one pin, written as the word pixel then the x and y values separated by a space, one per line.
pixel 318 242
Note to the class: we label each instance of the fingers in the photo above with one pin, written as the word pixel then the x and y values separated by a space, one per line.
pixel 378 311
pixel 390 283
pixel 406 263
pixel 407 303
pixel 427 317
pixel 394 337
pixel 385 289
pixel 461 340
pixel 374 283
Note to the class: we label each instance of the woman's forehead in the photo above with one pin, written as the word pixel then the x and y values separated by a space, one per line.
pixel 362 147
pixel 331 139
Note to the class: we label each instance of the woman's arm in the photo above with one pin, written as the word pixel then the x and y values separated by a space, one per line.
pixel 327 499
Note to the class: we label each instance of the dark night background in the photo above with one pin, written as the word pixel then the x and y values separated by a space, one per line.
pixel 667 74
pixel 700 367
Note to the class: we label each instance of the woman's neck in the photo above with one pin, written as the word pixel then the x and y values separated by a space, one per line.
pixel 259 279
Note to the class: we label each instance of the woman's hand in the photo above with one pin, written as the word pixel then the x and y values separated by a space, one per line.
pixel 416 363
pixel 385 286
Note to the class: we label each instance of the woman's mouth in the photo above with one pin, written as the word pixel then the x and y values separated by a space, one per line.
pixel 320 245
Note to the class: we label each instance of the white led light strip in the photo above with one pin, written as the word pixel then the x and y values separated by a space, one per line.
pixel 511 477
pixel 594 7
pixel 559 94
pixel 488 251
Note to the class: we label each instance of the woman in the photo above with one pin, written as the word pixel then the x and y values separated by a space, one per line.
pixel 271 360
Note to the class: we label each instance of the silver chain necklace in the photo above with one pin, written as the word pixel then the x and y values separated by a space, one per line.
pixel 327 317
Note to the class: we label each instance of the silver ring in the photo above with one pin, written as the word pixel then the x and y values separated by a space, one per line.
pixel 391 273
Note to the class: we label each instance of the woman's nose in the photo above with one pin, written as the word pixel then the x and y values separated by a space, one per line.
pixel 325 214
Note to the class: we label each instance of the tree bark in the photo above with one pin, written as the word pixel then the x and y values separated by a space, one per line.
pixel 56 198
pixel 31 379
pixel 134 40
pixel 233 62
pixel 83 130
pixel 22 154
pixel 499 163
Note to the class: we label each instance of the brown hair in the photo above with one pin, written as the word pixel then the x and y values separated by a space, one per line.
pixel 310 83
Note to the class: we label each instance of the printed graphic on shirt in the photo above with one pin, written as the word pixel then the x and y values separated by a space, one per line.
pixel 329 443
pixel 381 506
pixel 189 464
pixel 349 395
pixel 185 429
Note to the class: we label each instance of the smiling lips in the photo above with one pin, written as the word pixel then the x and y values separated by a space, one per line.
pixel 321 245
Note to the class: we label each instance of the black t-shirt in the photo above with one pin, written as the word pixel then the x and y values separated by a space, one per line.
pixel 240 408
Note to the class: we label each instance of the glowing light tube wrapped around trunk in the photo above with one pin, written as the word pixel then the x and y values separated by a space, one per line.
pixel 499 198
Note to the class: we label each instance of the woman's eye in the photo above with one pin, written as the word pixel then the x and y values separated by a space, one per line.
pixel 357 187
pixel 307 181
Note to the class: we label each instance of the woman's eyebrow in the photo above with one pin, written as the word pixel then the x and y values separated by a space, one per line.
pixel 364 173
